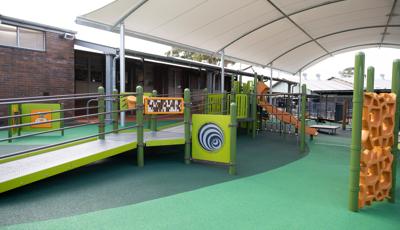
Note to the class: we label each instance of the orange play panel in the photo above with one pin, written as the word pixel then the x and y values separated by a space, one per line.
pixel 377 140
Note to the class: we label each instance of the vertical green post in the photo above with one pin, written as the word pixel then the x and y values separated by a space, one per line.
pixel 114 109
pixel 62 118
pixel 254 107
pixel 224 103
pixel 355 149
pixel 370 79
pixel 233 81
pixel 205 95
pixel 139 124
pixel 233 129
pixel 240 84
pixel 101 110
pixel 153 117
pixel 344 118
pixel 395 149
pixel 10 122
pixel 303 118
pixel 19 119
pixel 233 94
pixel 186 117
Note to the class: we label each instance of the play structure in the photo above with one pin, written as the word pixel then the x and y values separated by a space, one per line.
pixel 208 129
pixel 374 145
pixel 33 117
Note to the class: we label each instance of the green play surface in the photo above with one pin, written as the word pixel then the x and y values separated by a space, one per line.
pixel 311 192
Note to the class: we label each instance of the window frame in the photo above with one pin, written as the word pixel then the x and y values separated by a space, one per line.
pixel 18 38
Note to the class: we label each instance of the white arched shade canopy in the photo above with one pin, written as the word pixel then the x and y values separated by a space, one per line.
pixel 290 35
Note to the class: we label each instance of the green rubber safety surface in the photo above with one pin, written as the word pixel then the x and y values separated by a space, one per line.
pixel 310 193
pixel 117 181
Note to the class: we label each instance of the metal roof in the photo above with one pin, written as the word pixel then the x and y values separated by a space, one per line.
pixel 33 25
pixel 380 83
pixel 290 35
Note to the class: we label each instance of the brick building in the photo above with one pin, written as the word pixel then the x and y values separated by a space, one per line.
pixel 35 59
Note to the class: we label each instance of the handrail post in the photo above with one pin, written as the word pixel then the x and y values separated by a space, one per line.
pixel 233 129
pixel 303 119
pixel 10 121
pixel 224 103
pixel 62 118
pixel 395 149
pixel 153 117
pixel 101 109
pixel 114 109
pixel 370 79
pixel 254 107
pixel 139 124
pixel 205 92
pixel 186 117
pixel 355 149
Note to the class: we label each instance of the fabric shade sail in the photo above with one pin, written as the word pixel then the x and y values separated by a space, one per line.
pixel 290 35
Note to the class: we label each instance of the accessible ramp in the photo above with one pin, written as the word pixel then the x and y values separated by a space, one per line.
pixel 26 170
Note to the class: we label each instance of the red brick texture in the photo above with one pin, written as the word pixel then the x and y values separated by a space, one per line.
pixel 26 73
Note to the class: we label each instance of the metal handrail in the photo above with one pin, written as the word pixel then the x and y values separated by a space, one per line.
pixel 87 107
pixel 64 142
pixel 44 97
pixel 62 119
pixel 62 99
pixel 47 131
pixel 39 113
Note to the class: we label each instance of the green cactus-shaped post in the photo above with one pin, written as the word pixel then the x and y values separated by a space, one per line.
pixel 355 148
pixel 139 124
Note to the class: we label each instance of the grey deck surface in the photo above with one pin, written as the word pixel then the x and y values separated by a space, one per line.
pixel 325 126
pixel 40 162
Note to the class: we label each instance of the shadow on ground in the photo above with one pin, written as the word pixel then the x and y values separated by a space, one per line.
pixel 117 181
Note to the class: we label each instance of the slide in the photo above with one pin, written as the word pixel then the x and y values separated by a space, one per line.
pixel 280 114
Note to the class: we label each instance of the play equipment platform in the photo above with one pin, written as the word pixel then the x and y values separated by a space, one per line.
pixel 23 171
pixel 331 129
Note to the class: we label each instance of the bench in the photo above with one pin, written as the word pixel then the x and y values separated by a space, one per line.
pixel 331 129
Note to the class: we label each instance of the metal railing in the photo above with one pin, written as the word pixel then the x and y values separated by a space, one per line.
pixel 15 122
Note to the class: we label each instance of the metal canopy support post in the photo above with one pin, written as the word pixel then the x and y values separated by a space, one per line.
pixel 109 85
pixel 114 73
pixel 122 66
pixel 254 107
pixel 355 148
pixel 303 118
pixel 270 86
pixel 222 71
pixel 299 97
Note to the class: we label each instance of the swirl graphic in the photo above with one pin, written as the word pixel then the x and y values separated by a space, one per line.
pixel 211 137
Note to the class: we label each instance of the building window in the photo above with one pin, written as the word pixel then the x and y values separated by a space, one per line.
pixel 8 35
pixel 21 37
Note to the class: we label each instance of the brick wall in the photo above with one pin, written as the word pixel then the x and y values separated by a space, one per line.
pixel 26 73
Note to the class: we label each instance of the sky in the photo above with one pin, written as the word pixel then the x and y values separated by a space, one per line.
pixel 63 14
